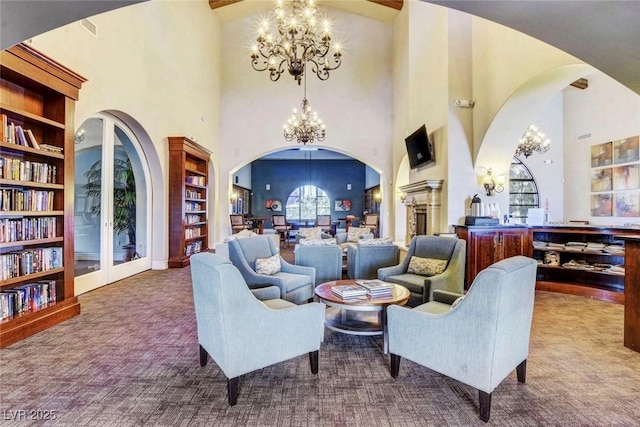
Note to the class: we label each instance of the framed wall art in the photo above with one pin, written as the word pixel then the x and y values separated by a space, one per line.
pixel 628 204
pixel 626 177
pixel 342 205
pixel 601 155
pixel 626 150
pixel 601 180
pixel 602 204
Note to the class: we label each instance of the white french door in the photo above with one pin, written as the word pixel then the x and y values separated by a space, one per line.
pixel 112 198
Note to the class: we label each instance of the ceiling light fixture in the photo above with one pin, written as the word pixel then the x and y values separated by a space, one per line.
pixel 299 38
pixel 305 127
pixel 532 140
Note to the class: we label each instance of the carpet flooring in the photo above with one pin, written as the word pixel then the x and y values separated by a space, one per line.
pixel 131 359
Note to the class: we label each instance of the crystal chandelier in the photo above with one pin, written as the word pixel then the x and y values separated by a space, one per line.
pixel 532 140
pixel 305 127
pixel 299 39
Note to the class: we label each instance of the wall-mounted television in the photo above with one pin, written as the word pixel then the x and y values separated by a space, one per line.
pixel 420 149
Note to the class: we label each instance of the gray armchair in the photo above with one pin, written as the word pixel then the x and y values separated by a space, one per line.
pixel 296 283
pixel 304 233
pixel 243 334
pixel 421 287
pixel 364 260
pixel 326 259
pixel 480 340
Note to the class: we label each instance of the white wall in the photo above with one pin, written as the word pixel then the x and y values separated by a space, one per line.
pixel 608 111
pixel 354 103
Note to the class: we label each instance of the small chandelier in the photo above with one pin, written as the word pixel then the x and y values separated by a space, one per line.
pixel 299 39
pixel 532 140
pixel 305 127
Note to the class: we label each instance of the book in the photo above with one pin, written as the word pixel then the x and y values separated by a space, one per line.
pixel 3 130
pixel 32 139
pixel 51 148
pixel 349 291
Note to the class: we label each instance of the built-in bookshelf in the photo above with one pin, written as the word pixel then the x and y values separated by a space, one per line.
pixel 188 180
pixel 37 101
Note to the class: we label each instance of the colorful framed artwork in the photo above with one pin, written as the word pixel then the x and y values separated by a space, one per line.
pixel 601 179
pixel 342 205
pixel 626 177
pixel 626 150
pixel 601 155
pixel 273 205
pixel 601 204
pixel 628 204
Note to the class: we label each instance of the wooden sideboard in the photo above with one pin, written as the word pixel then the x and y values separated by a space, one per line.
pixel 632 293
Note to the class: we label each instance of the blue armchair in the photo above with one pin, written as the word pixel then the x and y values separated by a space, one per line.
pixel 452 250
pixel 326 259
pixel 243 334
pixel 479 340
pixel 364 258
pixel 296 283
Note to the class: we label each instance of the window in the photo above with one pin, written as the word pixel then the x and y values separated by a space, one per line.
pixel 523 192
pixel 305 202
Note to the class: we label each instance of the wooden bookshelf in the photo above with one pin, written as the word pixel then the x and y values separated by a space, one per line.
pixel 188 181
pixel 36 211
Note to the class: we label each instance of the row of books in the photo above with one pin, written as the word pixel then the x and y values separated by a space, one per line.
pixel 29 228
pixel 29 261
pixel 196 180
pixel 193 248
pixel 15 199
pixel 583 265
pixel 362 288
pixel 193 207
pixel 26 298
pixel 190 233
pixel 193 219
pixel 192 194
pixel 613 249
pixel 13 133
pixel 25 170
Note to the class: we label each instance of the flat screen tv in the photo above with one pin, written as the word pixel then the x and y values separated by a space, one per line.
pixel 419 148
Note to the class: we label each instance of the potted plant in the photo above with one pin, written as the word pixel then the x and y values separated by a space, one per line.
pixel 124 200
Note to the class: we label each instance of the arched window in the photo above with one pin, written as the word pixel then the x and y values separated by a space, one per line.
pixel 307 201
pixel 523 192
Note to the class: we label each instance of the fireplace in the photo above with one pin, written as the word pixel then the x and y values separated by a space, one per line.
pixel 423 207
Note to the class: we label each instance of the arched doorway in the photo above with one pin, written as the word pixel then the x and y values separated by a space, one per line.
pixel 112 203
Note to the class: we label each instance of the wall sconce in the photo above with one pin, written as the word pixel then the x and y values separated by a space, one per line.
pixel 492 186
pixel 378 197
pixel 78 137
pixel 233 198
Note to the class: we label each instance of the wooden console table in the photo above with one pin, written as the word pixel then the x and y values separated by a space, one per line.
pixel 632 292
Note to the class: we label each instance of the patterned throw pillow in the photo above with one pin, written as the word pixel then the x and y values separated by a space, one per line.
pixel 269 265
pixel 375 242
pixel 426 266
pixel 354 233
pixel 310 233
pixel 318 242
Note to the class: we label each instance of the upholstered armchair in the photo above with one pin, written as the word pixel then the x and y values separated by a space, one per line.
pixel 323 255
pixel 439 264
pixel 354 235
pixel 368 255
pixel 371 221
pixel 311 233
pixel 243 334
pixel 481 339
pixel 296 283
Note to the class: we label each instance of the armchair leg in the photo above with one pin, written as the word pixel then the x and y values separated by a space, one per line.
pixel 395 365
pixel 232 390
pixel 485 405
pixel 203 356
pixel 313 360
pixel 521 371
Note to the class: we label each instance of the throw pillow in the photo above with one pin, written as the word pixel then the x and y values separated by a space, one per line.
pixel 375 242
pixel 426 266
pixel 269 265
pixel 354 233
pixel 318 242
pixel 310 233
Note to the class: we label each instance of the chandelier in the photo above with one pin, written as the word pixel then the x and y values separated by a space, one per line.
pixel 532 140
pixel 305 127
pixel 299 39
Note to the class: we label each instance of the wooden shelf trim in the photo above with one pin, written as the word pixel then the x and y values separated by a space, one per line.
pixel 29 117
pixel 24 149
pixel 585 270
pixel 35 242
pixel 15 183
pixel 7 283
pixel 566 251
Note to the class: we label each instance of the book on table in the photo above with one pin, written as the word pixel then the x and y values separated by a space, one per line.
pixel 376 288
pixel 349 291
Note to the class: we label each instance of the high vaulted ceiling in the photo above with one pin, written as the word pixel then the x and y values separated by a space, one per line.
pixel 605 34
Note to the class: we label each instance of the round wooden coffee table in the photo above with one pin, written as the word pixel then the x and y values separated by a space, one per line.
pixel 365 316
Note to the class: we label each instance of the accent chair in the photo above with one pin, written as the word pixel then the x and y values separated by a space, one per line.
pixel 282 227
pixel 324 255
pixel 479 339
pixel 296 283
pixel 243 334
pixel 368 255
pixel 431 262
pixel 238 223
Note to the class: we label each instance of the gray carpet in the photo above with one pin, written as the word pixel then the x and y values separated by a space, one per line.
pixel 131 358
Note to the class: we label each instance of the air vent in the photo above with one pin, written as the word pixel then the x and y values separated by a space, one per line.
pixel 584 136
pixel 89 26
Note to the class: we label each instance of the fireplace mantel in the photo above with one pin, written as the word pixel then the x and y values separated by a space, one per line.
pixel 423 203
